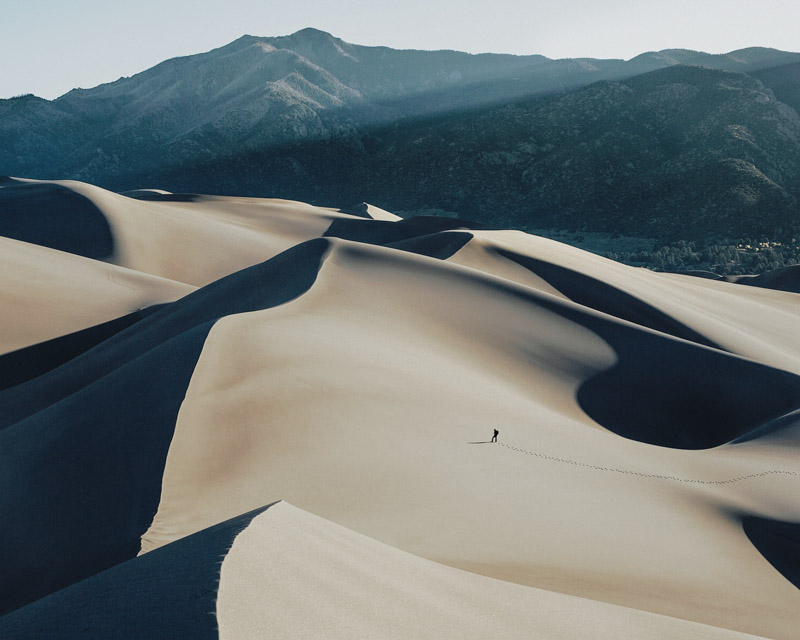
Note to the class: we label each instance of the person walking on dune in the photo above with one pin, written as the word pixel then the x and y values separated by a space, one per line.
pixel 494 437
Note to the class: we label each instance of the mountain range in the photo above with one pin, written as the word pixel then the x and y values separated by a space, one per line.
pixel 669 144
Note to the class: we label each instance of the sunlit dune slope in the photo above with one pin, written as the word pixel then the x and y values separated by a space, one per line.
pixel 48 293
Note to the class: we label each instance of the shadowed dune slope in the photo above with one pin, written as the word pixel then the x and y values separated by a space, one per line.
pixel 682 396
pixel 194 240
pixel 678 395
pixel 366 210
pixel 83 476
pixel 54 216
pixel 31 362
pixel 675 395
pixel 779 542
pixel 749 321
pixel 596 294
pixel 109 414
pixel 326 581
pixel 786 279
pixel 382 232
pixel 157 195
pixel 169 593
pixel 436 245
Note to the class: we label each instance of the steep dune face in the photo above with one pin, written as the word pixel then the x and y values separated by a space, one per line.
pixel 646 466
pixel 54 216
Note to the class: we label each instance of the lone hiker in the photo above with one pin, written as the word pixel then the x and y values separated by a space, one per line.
pixel 494 437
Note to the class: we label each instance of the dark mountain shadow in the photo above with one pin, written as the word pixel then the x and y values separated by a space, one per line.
pixel 784 80
pixel 56 217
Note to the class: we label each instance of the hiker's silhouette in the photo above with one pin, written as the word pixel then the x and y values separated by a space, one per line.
pixel 494 437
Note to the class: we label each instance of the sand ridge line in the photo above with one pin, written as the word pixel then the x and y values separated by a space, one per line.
pixel 650 475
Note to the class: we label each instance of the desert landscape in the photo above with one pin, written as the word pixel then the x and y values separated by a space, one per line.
pixel 246 417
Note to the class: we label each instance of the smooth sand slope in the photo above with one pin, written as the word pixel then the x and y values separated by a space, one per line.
pixel 48 293
pixel 644 484
pixel 321 580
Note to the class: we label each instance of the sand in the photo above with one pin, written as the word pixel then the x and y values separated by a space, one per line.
pixel 293 575
pixel 199 239
pixel 644 483
pixel 368 401
pixel 48 293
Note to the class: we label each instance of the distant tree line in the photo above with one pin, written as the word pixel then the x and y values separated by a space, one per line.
pixel 743 256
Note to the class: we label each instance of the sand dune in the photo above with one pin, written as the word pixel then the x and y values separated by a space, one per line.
pixel 353 364
pixel 48 293
pixel 194 239
pixel 326 581
pixel 786 279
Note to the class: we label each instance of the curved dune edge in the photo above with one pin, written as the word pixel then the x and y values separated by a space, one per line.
pixel 751 322
pixel 54 216
pixel 109 413
pixel 47 293
pixel 82 476
pixel 201 239
pixel 171 593
pixel 368 400
pixel 290 574
pixel 280 572
pixel 29 363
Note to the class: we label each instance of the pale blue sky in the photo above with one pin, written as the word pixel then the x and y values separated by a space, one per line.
pixel 50 46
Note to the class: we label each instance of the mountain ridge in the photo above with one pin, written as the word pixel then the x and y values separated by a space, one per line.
pixel 277 116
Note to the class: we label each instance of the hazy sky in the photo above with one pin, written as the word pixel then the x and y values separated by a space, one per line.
pixel 50 46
